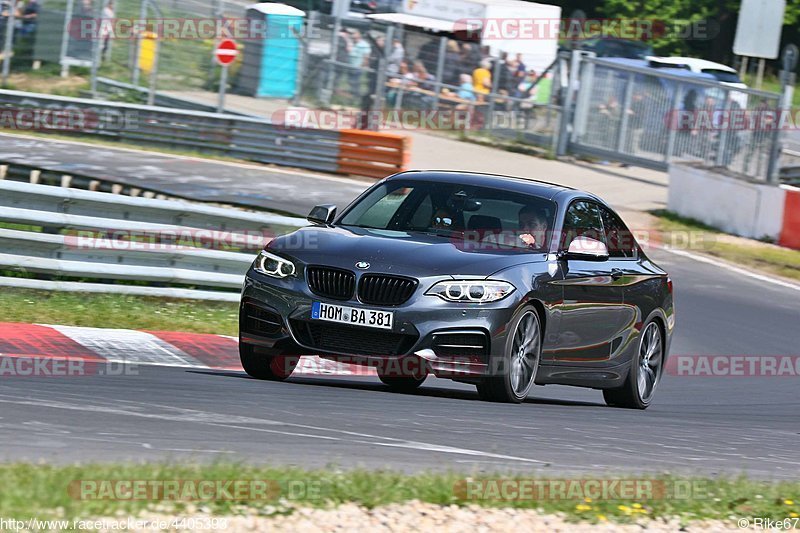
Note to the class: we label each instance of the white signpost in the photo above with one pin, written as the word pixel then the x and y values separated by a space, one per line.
pixel 758 32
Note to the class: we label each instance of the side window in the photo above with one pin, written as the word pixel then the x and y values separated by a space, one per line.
pixel 582 220
pixel 619 238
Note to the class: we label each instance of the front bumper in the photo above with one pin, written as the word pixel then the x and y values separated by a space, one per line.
pixel 449 339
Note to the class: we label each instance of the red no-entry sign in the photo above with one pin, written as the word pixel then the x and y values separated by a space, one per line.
pixel 226 52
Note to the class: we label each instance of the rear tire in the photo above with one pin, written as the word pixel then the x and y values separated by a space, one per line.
pixel 639 388
pixel 268 367
pixel 517 369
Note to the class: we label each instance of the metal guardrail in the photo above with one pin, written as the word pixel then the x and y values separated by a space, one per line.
pixel 112 237
pixel 230 135
pixel 237 136
pixel 109 86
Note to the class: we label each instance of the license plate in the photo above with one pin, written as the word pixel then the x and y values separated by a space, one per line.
pixel 352 315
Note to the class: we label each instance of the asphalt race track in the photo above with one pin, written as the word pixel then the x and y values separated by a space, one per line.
pixel 708 425
pixel 287 191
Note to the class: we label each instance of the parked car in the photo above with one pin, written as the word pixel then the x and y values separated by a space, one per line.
pixel 722 73
pixel 615 47
pixel 497 281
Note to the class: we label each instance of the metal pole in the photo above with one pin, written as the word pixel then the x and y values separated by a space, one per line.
pixel 223 84
pixel 567 105
pixel 8 47
pixel 673 129
pixel 439 71
pixel 380 76
pixel 302 62
pixel 743 67
pixel 787 92
pixel 135 75
pixel 495 87
pixel 65 38
pixel 151 94
pixel 216 14
pixel 340 8
pixel 327 94
pixel 722 141
pixel 760 73
pixel 626 104
pixel 96 50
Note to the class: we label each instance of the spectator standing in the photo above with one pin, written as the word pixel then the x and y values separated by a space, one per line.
pixel 342 57
pixel 359 56
pixel 396 57
pixel 482 79
pixel 29 16
pixel 452 64
pixel 106 28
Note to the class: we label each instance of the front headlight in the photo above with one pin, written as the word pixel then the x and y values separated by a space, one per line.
pixel 475 291
pixel 274 266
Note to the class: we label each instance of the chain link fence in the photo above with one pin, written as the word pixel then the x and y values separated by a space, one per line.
pixel 395 77
pixel 644 115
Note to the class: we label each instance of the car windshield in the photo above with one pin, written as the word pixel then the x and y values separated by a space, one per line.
pixel 493 218
pixel 723 75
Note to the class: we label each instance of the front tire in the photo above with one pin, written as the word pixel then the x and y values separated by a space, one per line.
pixel 645 373
pixel 517 369
pixel 267 367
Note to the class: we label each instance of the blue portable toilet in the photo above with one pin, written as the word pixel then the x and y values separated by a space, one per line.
pixel 271 61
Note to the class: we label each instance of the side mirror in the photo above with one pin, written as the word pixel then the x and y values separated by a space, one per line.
pixel 322 214
pixel 586 249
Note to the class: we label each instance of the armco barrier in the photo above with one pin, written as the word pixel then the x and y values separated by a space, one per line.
pixel 124 238
pixel 241 137
pixel 377 155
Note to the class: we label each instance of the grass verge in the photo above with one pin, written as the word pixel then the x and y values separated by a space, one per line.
pixel 118 311
pixel 46 491
pixel 759 255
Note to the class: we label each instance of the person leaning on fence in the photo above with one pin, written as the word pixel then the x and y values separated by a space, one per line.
pixel 465 89
pixel 396 57
pixel 400 81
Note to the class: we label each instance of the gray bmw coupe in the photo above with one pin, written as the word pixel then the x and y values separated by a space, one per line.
pixel 496 281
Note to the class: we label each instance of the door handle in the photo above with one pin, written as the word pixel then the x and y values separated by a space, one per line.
pixel 616 273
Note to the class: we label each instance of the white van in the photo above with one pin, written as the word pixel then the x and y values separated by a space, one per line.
pixel 723 73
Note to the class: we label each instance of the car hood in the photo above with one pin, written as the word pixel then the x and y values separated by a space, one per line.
pixel 411 254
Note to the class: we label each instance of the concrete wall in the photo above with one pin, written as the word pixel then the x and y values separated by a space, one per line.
pixel 732 205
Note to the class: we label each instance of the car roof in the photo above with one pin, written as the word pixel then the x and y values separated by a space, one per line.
pixel 511 183
pixel 695 63
pixel 646 64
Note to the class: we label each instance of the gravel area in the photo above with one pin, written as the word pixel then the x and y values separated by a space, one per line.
pixel 417 516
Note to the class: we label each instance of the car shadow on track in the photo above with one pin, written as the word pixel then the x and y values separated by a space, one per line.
pixel 424 391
